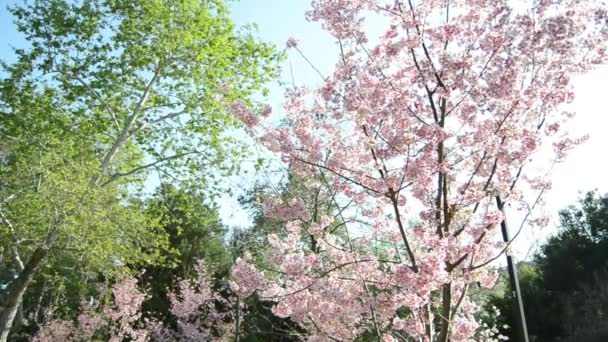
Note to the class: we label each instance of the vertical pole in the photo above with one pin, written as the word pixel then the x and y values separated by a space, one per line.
pixel 237 323
pixel 518 305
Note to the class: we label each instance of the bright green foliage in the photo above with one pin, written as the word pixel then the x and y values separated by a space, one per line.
pixel 107 91
pixel 46 173
pixel 156 73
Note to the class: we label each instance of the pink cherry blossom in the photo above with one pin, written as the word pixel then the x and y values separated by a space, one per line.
pixel 410 139
pixel 243 113
pixel 194 304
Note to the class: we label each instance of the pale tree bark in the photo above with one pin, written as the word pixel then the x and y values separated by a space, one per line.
pixel 12 313
pixel 124 134
pixel 19 319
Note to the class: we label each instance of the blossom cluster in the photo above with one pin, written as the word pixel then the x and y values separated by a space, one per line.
pixel 201 313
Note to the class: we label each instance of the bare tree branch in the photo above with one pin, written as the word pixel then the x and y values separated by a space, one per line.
pixel 124 133
pixel 119 175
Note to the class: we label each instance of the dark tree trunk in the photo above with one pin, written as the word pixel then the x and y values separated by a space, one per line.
pixel 17 290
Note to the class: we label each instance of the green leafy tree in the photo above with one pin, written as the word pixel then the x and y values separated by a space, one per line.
pixel 107 91
pixel 194 229
pixel 564 292
pixel 580 248
pixel 536 304
pixel 155 74
pixel 49 208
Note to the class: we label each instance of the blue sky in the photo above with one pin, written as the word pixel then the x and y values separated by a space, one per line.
pixel 278 20
pixel 8 32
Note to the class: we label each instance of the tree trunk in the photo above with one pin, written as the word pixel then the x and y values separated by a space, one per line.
pixel 446 320
pixel 17 290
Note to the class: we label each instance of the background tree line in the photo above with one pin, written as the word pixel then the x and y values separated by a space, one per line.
pixel 565 286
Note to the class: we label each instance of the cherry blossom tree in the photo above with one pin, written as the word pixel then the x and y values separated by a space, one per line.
pixel 122 320
pixel 418 139
pixel 87 324
pixel 201 314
